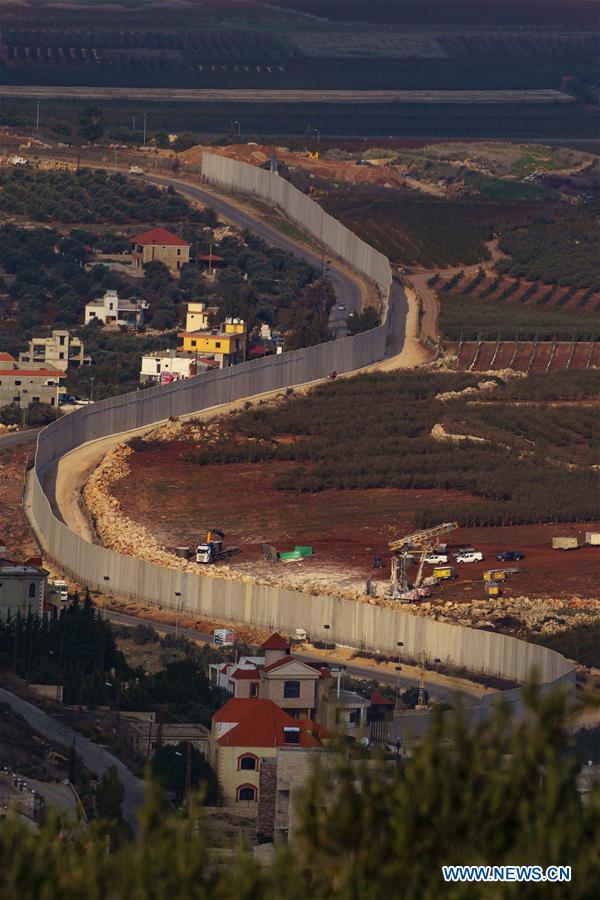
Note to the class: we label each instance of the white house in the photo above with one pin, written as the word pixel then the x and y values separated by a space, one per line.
pixel 113 310
pixel 165 366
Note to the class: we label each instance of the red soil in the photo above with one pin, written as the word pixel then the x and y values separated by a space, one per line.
pixel 527 357
pixel 178 501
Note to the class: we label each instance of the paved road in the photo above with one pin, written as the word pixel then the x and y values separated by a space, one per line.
pixel 14 439
pixel 443 689
pixel 347 289
pixel 94 757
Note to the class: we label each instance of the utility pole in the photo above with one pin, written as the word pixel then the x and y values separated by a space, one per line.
pixel 188 776
pixel 92 377
pixel 177 605
pixel 37 116
pixel 144 140
pixel 106 582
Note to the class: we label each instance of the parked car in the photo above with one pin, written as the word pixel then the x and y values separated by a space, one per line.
pixel 461 551
pixel 436 559
pixel 341 307
pixel 471 556
pixel 509 555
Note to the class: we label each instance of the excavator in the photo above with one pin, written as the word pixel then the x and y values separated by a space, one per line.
pixel 419 543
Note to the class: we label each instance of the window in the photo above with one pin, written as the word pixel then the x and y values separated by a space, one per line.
pixel 246 792
pixel 193 343
pixel 254 689
pixel 61 355
pixel 248 762
pixel 291 689
pixel 17 383
pixel 62 339
pixel 291 735
pixel 217 343
pixel 35 399
pixel 354 717
pixel 32 590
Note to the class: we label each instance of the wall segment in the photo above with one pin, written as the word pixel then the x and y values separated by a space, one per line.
pixel 352 623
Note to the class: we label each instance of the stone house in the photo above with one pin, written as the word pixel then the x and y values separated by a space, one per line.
pixel 160 245
pixel 61 350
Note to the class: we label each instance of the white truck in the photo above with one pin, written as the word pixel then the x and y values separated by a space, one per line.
pixel 212 551
pixel 60 588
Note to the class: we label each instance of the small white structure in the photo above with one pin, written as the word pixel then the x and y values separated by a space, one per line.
pixel 592 538
pixel 113 310
pixel 22 588
pixel 165 366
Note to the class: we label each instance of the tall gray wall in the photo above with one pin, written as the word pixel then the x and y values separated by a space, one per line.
pixel 353 623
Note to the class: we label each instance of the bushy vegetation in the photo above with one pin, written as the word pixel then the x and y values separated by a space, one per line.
pixel 502 794
pixel 87 196
pixel 76 650
pixel 557 250
pixel 581 643
pixel 375 431
pixel 480 318
pixel 181 688
pixel 412 228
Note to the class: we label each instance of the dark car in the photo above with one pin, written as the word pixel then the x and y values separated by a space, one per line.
pixel 509 555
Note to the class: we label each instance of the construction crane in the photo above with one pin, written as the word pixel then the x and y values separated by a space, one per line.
pixel 421 542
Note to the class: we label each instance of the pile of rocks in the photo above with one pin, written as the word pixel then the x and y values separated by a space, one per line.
pixel 521 615
pixel 439 433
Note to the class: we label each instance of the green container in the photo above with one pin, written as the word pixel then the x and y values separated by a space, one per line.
pixel 292 554
pixel 304 551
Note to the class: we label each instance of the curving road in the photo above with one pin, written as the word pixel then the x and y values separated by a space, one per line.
pixel 439 687
pixel 94 757
pixel 347 289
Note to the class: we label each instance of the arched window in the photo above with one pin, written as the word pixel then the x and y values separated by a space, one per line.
pixel 248 761
pixel 32 590
pixel 291 689
pixel 246 792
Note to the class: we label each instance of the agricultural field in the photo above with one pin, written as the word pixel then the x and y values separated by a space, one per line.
pixel 508 13
pixel 294 473
pixel 251 46
pixel 525 356
pixel 87 196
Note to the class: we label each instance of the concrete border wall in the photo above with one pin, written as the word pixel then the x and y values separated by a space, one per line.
pixel 353 623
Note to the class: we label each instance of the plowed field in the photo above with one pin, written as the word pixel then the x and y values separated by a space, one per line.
pixel 178 501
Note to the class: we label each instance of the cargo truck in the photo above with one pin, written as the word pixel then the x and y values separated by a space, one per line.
pixel 212 551
pixel 444 573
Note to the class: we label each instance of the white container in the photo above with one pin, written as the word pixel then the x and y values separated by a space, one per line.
pixel 564 543
pixel 593 538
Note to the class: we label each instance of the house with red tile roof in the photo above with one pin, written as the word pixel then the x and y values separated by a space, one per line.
pixel 160 245
pixel 244 733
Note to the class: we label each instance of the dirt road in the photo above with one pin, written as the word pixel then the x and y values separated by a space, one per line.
pixel 217 95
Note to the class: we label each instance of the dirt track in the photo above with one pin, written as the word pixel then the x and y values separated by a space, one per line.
pixel 217 95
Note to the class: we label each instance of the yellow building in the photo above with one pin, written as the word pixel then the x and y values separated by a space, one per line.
pixel 198 316
pixel 243 734
pixel 227 345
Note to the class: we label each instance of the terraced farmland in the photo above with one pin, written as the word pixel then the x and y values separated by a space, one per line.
pixel 526 356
